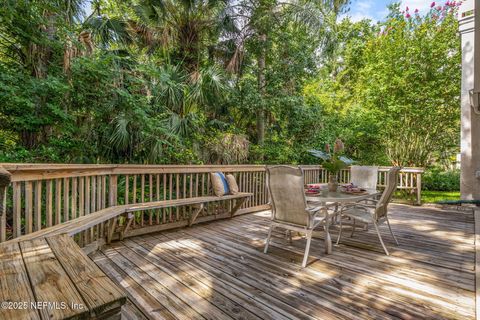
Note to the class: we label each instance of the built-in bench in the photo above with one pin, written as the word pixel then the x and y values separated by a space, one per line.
pixel 52 278
pixel 48 267
pixel 83 223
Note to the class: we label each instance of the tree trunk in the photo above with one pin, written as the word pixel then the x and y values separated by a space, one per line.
pixel 261 89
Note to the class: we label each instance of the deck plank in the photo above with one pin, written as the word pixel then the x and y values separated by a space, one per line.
pixel 50 282
pixel 431 275
pixel 146 303
pixel 176 287
pixel 229 286
pixel 188 278
pixel 175 305
pixel 329 288
pixel 14 275
pixel 315 302
pixel 278 303
pixel 394 283
pixel 99 293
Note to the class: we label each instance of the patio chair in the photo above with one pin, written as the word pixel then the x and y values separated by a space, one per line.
pixel 374 213
pixel 364 176
pixel 290 210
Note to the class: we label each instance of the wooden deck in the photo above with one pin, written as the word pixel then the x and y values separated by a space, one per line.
pixel 218 271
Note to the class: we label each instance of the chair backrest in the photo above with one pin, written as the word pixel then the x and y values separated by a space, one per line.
pixel 364 176
pixel 286 187
pixel 381 208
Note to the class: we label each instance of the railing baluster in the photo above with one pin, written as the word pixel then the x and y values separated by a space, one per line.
pixel 177 192
pixel 150 193
pixel 49 204
pixel 88 195
pixel 66 199
pixel 157 189
pixel 58 201
pixel 184 194
pixel 28 207
pixel 17 209
pixel 164 211
pixel 38 206
pixel 127 189
pixel 74 197
pixel 170 191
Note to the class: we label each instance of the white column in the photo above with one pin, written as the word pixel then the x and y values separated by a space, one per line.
pixel 470 130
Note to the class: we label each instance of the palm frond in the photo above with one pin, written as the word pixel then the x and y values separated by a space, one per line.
pixel 108 30
pixel 120 138
pixel 320 154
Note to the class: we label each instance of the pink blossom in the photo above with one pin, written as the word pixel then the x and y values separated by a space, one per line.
pixel 407 9
pixel 416 10
pixel 407 16
pixel 432 4
pixel 338 146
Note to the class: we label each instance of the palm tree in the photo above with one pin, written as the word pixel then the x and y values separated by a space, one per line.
pixel 257 18
pixel 185 28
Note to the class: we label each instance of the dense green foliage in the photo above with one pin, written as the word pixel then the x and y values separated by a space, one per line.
pixel 186 81
pixel 436 179
pixel 395 88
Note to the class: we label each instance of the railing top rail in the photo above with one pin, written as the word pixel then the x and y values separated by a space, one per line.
pixel 31 171
pixel 63 166
pixel 380 168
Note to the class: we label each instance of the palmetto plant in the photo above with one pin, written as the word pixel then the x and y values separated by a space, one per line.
pixel 179 31
pixel 182 98
pixel 333 161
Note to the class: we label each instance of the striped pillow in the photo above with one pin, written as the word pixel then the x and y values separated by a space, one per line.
pixel 219 184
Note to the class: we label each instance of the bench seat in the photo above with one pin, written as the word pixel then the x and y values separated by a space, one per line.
pixel 52 278
pixel 83 223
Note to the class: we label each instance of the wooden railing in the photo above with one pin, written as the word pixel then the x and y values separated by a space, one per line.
pixel 43 195
pixel 409 178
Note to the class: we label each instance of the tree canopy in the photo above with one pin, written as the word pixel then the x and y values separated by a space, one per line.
pixel 251 81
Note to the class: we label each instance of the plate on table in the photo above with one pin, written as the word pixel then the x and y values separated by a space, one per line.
pixel 312 192
pixel 354 190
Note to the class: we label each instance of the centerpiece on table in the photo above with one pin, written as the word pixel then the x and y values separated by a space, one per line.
pixel 333 161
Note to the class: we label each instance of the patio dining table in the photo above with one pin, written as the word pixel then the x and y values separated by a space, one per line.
pixel 335 199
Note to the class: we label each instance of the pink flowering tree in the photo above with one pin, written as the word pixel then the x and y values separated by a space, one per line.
pixel 411 81
pixel 392 92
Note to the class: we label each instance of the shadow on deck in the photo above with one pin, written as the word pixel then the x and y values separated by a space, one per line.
pixel 217 270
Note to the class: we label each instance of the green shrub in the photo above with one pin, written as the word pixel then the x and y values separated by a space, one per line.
pixel 439 180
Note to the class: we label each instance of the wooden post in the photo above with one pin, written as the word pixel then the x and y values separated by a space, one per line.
pixel 5 178
pixel 112 201
pixel 419 188
pixel 112 190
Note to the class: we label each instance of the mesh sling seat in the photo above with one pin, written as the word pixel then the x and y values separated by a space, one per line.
pixel 364 176
pixel 290 210
pixel 375 212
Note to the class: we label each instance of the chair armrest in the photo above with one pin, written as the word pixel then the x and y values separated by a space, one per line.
pixel 349 205
pixel 321 205
pixel 375 201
